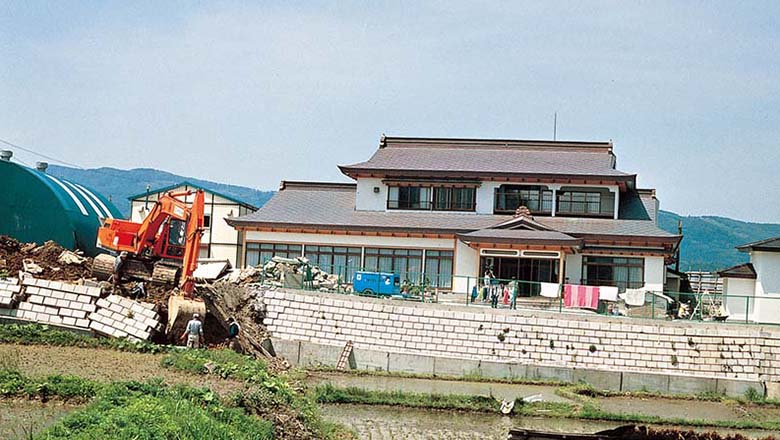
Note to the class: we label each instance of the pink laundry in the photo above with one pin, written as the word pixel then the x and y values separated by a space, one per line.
pixel 582 297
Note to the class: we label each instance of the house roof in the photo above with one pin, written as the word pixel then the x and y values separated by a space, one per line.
pixel 766 245
pixel 469 158
pixel 526 236
pixel 190 185
pixel 333 206
pixel 745 270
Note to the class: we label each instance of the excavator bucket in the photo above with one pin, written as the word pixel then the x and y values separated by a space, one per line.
pixel 180 311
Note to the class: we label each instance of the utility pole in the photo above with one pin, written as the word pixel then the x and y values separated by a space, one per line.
pixel 555 126
pixel 679 232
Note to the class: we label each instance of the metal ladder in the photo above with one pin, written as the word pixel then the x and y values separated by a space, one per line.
pixel 344 357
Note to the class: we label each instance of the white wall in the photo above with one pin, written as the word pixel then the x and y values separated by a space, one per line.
pixel 485 194
pixel 767 266
pixel 573 268
pixel 735 289
pixel 466 267
pixel 366 199
pixel 655 271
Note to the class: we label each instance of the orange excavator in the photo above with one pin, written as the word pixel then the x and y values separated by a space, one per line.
pixel 162 249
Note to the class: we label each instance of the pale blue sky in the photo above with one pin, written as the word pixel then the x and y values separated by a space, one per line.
pixel 254 92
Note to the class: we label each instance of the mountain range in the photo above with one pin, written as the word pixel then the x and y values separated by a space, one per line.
pixel 709 241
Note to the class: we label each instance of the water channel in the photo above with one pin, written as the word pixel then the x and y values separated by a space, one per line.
pixel 391 422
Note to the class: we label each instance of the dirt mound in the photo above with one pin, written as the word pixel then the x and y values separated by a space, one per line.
pixel 47 258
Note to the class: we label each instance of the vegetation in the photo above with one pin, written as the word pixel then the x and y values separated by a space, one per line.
pixel 328 393
pixel 710 241
pixel 37 334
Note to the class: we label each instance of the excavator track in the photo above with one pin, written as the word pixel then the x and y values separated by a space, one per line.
pixel 165 274
pixel 103 267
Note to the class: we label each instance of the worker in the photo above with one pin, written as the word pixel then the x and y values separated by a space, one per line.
pixel 118 263
pixel 193 332
pixel 234 330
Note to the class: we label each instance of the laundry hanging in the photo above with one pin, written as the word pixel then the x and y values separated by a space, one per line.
pixel 583 297
pixel 550 290
pixel 608 293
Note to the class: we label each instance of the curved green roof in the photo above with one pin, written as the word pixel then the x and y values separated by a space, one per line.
pixel 35 206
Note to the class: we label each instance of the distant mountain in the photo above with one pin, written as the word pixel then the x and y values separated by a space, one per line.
pixel 708 243
pixel 121 184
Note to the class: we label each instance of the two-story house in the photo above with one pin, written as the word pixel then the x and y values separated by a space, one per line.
pixel 447 210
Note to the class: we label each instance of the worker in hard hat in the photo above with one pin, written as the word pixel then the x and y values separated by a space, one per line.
pixel 193 332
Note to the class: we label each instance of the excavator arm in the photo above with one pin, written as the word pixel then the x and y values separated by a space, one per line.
pixel 192 246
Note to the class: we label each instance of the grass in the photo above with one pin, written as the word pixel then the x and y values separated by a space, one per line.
pixel 581 390
pixel 38 334
pixel 328 393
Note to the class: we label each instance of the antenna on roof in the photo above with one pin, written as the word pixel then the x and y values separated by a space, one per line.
pixel 555 126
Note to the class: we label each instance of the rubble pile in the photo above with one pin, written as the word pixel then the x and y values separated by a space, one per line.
pixel 286 272
pixel 49 260
pixel 124 318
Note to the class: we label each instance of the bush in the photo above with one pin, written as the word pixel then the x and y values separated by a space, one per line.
pixel 152 411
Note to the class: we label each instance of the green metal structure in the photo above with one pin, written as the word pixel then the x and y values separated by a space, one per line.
pixel 36 207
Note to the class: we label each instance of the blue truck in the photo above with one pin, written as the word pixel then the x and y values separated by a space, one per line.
pixel 376 283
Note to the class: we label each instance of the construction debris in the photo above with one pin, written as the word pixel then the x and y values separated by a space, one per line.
pixel 210 269
pixel 124 318
pixel 70 257
pixel 287 272
pixel 59 303
pixel 42 260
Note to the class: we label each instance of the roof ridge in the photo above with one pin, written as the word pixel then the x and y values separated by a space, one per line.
pixel 496 144
pixel 315 185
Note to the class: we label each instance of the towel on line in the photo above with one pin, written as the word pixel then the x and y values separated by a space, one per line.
pixel 550 290
pixel 635 297
pixel 583 297
pixel 608 293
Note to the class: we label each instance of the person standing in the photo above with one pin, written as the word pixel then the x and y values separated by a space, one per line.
pixel 234 330
pixel 193 332
pixel 119 262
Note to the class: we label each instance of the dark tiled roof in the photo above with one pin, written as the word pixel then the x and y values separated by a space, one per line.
pixel 318 205
pixel 524 235
pixel 637 205
pixel 768 245
pixel 487 157
pixel 746 271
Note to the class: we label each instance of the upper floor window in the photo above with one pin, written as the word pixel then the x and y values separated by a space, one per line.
pixel 585 202
pixel 440 198
pixel 538 199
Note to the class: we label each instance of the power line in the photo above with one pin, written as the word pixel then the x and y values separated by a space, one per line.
pixel 41 154
pixel 72 165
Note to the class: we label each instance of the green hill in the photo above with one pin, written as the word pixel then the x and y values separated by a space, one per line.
pixel 709 241
pixel 708 244
pixel 121 184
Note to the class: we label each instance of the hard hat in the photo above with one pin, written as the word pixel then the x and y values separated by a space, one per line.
pixel 196 315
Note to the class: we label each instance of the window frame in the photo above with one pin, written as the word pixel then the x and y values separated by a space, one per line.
pixel 606 261
pixel 396 200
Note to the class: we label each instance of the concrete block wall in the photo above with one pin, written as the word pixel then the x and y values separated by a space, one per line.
pixel 77 306
pixel 124 318
pixel 54 302
pixel 9 292
pixel 676 349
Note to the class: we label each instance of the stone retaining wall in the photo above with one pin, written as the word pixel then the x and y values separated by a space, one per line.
pixel 524 339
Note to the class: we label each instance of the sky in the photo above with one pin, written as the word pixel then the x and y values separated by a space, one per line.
pixel 250 93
